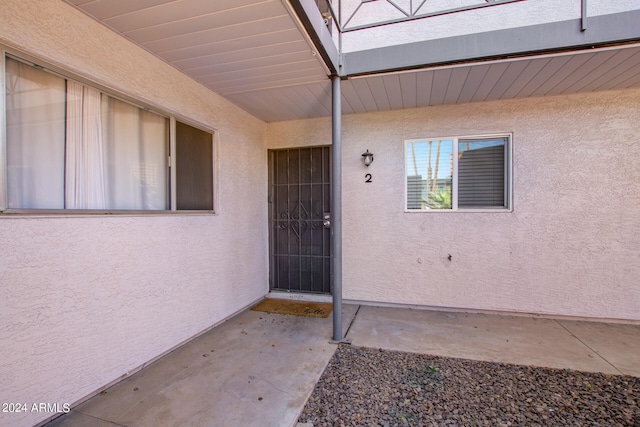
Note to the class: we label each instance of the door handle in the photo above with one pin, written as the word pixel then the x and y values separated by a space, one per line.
pixel 326 220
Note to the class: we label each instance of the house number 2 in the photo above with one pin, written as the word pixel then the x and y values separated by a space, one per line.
pixel 367 177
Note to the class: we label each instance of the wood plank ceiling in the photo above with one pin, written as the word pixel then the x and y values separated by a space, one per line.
pixel 256 54
pixel 613 68
pixel 230 46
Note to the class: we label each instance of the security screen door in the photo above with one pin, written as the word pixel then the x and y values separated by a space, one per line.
pixel 300 249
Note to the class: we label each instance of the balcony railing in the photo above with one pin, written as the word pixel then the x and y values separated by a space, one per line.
pixel 353 15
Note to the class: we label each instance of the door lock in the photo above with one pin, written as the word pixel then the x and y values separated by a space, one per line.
pixel 326 220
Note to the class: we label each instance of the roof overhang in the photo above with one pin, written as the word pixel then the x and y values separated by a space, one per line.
pixel 274 58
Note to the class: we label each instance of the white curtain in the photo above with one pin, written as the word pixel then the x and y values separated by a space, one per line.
pixel 136 153
pixel 85 183
pixel 35 107
pixel 95 152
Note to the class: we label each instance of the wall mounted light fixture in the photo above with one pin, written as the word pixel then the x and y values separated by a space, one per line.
pixel 367 158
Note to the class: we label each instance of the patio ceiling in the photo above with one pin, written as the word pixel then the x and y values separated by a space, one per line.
pixel 258 54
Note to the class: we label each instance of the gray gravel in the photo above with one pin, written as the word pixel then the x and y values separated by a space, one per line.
pixel 371 387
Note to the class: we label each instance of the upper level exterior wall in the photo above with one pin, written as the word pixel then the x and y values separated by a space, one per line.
pixel 571 245
pixel 86 299
pixel 511 15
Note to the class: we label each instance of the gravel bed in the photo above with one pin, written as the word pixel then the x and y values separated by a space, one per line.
pixel 371 387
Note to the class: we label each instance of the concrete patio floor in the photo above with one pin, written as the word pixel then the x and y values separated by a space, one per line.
pixel 258 369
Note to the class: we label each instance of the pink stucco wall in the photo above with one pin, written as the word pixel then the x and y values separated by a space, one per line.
pixel 571 245
pixel 86 300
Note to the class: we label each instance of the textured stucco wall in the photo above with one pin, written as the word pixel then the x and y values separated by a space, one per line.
pixel 85 300
pixel 570 247
pixel 518 14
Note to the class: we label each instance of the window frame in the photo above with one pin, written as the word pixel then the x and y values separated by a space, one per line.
pixel 173 143
pixel 171 160
pixel 454 184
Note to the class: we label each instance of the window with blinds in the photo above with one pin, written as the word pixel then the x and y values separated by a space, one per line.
pixel 451 174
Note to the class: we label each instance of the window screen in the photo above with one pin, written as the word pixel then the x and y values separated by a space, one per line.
pixel 194 168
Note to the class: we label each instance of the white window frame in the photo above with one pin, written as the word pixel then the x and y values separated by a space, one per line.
pixel 171 161
pixel 454 184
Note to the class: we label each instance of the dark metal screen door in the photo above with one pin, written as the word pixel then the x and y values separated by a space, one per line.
pixel 300 249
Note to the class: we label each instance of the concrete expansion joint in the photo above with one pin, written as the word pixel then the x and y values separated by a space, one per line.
pixel 594 351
